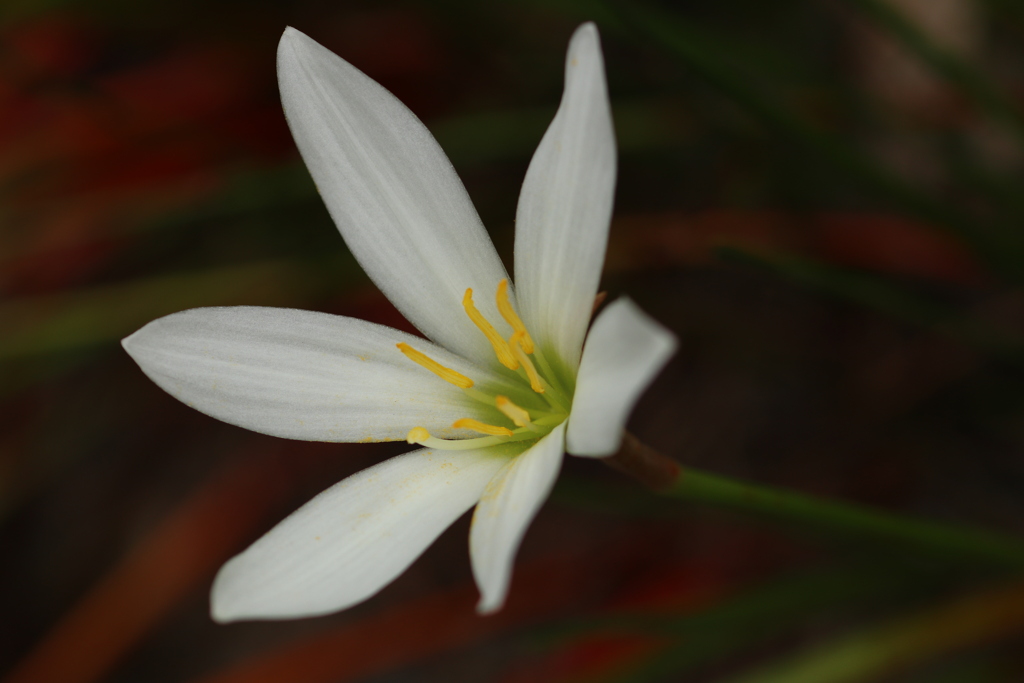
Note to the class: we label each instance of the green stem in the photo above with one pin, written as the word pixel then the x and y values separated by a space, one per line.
pixel 847 518
pixel 956 543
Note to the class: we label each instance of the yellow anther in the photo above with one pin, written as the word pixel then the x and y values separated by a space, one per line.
pixel 447 374
pixel 510 316
pixel 516 344
pixel 418 435
pixel 477 426
pixel 497 341
pixel 519 417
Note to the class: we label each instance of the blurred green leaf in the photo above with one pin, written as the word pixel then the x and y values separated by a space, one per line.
pixel 968 171
pixel 755 616
pixel 876 651
pixel 881 294
pixel 81 318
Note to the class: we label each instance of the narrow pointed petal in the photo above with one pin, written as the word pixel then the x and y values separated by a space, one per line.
pixel 353 539
pixel 565 207
pixel 625 351
pixel 507 507
pixel 392 192
pixel 301 375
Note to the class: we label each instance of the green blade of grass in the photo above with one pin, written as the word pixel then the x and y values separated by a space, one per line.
pixel 880 294
pixel 754 616
pixel 897 646
pixel 83 318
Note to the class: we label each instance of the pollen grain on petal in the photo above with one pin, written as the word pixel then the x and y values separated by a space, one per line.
pixel 447 374
pixel 483 428
pixel 519 416
pixel 510 315
pixel 504 353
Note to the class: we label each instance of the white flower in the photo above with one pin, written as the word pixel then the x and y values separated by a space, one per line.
pixel 494 408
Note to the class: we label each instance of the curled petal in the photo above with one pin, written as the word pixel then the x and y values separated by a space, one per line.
pixel 301 375
pixel 625 351
pixel 353 539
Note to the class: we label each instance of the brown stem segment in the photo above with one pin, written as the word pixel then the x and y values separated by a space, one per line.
pixel 652 469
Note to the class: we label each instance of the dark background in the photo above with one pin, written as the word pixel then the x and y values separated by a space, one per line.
pixel 822 198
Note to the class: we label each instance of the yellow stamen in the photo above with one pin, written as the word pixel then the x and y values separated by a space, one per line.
pixel 418 435
pixel 497 341
pixel 519 417
pixel 516 344
pixel 477 426
pixel 447 374
pixel 510 316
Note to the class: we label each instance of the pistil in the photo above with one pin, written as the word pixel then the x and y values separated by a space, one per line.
pixel 420 436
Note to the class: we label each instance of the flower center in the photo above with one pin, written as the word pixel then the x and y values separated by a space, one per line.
pixel 543 404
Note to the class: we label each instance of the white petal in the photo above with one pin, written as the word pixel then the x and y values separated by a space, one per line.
pixel 354 538
pixel 301 375
pixel 565 207
pixel 506 509
pixel 392 193
pixel 625 350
